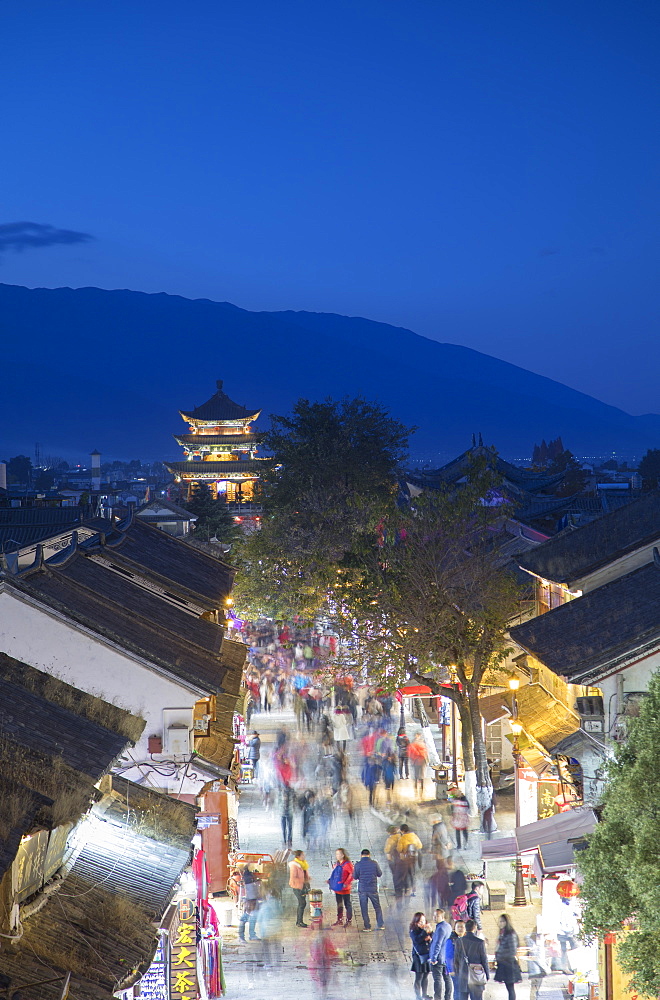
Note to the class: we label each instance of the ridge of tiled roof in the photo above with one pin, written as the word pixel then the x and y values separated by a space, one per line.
pixel 231 440
pixel 253 465
pixel 142 548
pixel 581 638
pixel 142 622
pixel 173 508
pixel 575 553
pixel 220 407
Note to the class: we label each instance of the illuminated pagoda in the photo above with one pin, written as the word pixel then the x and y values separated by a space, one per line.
pixel 219 449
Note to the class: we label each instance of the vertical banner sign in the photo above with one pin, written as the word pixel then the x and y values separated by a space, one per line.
pixel 153 985
pixel 183 963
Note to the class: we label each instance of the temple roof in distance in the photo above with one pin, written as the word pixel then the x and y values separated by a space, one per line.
pixel 217 470
pixel 575 553
pixel 526 480
pixel 219 408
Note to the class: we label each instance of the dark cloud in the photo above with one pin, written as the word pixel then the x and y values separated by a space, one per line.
pixel 19 236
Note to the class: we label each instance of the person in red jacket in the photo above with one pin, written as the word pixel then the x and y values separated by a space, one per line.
pixel 340 882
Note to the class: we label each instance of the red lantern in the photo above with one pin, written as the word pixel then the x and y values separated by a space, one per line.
pixel 568 889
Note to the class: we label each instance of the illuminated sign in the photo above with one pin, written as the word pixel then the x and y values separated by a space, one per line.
pixel 153 985
pixel 183 963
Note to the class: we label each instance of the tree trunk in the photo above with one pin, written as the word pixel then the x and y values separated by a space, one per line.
pixel 484 785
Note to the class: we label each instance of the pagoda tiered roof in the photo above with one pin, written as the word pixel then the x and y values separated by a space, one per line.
pixel 219 409
pixel 216 470
pixel 232 441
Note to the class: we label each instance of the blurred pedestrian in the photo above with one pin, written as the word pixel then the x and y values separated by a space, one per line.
pixel 367 872
pixel 409 848
pixel 437 887
pixel 536 963
pixel 340 722
pixel 389 774
pixel 507 969
pixel 402 745
pixel 299 882
pixel 268 928
pixel 390 851
pixel 420 936
pixel 254 751
pixel 457 883
pixel 324 956
pixel 460 819
pixel 288 798
pixel 251 895
pixel 441 845
pixel 340 881
pixel 418 756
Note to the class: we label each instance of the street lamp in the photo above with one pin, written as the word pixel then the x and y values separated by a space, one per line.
pixel 519 897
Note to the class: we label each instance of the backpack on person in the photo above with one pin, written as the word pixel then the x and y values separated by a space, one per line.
pixel 459 908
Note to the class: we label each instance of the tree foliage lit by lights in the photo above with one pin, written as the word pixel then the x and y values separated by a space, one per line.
pixel 434 603
pixel 332 475
pixel 621 888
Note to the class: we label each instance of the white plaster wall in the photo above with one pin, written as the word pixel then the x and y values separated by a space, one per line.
pixel 636 677
pixel 51 645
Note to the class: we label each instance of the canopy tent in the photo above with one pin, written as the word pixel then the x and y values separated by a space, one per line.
pixel 553 839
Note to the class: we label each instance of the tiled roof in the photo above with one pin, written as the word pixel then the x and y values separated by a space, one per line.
pixel 219 469
pixel 20 536
pixel 580 639
pixel 152 509
pixel 136 842
pixel 142 549
pixel 52 731
pixel 575 553
pixel 85 930
pixel 110 604
pixel 230 440
pixel 220 407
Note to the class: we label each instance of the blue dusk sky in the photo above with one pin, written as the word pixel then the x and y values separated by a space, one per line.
pixel 484 173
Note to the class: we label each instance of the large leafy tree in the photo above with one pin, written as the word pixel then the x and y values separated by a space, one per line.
pixel 434 604
pixel 621 888
pixel 331 476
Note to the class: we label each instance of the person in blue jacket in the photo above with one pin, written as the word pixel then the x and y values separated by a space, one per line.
pixel 367 872
pixel 450 947
pixel 442 988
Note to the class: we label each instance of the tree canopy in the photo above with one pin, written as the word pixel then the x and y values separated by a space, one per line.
pixel 621 887
pixel 433 602
pixel 331 476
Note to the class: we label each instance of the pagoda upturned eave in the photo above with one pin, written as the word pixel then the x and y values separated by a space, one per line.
pixel 248 469
pixel 233 442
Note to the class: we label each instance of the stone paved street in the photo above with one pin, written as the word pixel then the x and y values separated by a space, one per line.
pixel 371 964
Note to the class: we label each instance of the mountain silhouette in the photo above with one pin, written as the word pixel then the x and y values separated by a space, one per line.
pixel 90 368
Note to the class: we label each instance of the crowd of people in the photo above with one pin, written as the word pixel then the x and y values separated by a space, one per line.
pixel 307 777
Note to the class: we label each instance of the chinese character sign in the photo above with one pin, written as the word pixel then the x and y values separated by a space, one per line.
pixel 183 966
pixel 153 985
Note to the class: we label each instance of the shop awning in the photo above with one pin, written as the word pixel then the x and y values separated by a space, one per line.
pixel 494 707
pixel 553 839
pixel 499 849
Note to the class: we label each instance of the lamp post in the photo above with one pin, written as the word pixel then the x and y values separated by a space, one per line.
pixel 519 897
